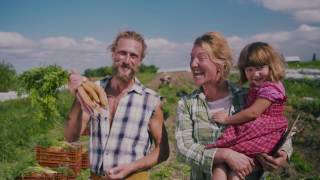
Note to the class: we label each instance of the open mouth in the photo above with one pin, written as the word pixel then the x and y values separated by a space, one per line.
pixel 197 73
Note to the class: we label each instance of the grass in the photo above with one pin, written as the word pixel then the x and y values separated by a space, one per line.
pixel 308 64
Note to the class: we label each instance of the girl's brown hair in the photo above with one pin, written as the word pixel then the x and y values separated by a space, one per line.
pixel 260 54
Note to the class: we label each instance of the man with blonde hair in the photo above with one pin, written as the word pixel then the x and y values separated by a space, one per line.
pixel 121 134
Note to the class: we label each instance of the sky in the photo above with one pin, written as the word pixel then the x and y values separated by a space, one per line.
pixel 75 34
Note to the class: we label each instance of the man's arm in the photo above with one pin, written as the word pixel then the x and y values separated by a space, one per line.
pixel 75 123
pixel 158 154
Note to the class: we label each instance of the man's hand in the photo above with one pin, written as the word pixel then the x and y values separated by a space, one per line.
pixel 119 172
pixel 241 164
pixel 270 163
pixel 89 94
pixel 96 93
pixel 75 80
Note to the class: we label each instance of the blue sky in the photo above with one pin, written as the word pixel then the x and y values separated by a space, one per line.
pixel 75 33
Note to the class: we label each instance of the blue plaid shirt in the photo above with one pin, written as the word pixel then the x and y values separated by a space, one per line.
pixel 128 139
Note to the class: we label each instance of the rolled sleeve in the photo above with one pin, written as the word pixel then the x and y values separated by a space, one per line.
pixel 287 147
pixel 190 151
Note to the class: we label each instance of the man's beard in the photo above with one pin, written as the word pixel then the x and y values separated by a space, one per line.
pixel 124 77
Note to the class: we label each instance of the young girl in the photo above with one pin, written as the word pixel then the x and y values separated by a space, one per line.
pixel 258 128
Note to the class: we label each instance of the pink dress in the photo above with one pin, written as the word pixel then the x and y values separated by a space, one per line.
pixel 262 134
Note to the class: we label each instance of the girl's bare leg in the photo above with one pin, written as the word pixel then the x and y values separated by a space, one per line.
pixel 233 176
pixel 219 172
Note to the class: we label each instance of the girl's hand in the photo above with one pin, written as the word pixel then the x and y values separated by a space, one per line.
pixel 220 117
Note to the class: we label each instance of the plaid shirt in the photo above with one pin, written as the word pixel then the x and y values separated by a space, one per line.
pixel 128 139
pixel 194 130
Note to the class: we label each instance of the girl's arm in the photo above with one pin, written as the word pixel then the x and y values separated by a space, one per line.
pixel 248 114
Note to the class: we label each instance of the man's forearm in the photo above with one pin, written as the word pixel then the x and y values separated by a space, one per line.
pixel 153 158
pixel 160 136
pixel 73 123
pixel 161 150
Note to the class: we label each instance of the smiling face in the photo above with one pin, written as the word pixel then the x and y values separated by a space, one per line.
pixel 257 75
pixel 204 70
pixel 126 57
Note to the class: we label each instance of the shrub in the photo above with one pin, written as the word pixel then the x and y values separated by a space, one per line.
pixel 299 163
pixel 42 85
pixel 98 72
pixel 7 77
pixel 145 68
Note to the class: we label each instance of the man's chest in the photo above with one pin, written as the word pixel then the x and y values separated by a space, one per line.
pixel 113 102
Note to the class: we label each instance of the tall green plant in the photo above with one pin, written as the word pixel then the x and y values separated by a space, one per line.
pixel 7 77
pixel 42 84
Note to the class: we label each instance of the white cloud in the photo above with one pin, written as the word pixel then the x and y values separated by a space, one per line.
pixel 88 52
pixel 14 40
pixel 312 15
pixel 291 5
pixel 167 54
pixel 302 10
pixel 58 42
pixel 90 40
pixel 24 53
pixel 303 41
pixel 160 44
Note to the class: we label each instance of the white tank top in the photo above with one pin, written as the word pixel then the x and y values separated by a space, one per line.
pixel 220 104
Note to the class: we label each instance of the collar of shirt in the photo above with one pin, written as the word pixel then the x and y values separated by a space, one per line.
pixel 137 87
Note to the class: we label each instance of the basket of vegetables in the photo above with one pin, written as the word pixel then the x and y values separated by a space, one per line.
pixel 41 173
pixel 65 154
pixel 85 159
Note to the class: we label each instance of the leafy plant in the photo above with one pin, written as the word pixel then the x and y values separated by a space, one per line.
pixel 163 173
pixel 98 72
pixel 38 169
pixel 42 85
pixel 65 170
pixel 7 77
pixel 84 174
pixel 148 68
pixel 299 163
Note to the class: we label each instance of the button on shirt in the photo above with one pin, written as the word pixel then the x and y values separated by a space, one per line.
pixel 128 139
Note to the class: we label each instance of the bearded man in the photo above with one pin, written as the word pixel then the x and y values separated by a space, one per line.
pixel 121 134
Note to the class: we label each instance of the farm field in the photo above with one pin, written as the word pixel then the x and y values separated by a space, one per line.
pixel 21 131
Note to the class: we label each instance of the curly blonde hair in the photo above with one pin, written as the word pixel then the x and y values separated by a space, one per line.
pixel 218 49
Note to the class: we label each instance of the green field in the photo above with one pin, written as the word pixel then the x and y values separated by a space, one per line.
pixel 21 132
pixel 308 64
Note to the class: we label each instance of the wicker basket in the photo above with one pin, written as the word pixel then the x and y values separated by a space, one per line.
pixel 38 176
pixel 44 176
pixel 85 160
pixel 53 157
